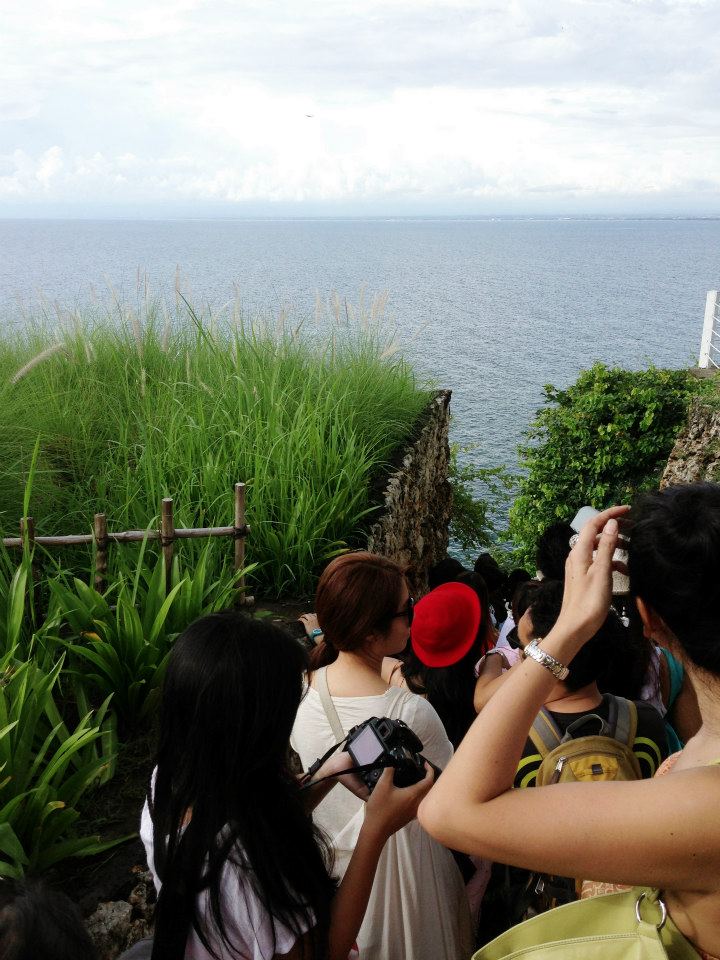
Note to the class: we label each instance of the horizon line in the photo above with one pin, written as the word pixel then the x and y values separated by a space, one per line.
pixel 285 217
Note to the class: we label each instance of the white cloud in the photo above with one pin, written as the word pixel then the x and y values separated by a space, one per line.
pixel 429 99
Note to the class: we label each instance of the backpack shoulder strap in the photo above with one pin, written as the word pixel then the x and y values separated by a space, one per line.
pixel 545 733
pixel 328 705
pixel 622 719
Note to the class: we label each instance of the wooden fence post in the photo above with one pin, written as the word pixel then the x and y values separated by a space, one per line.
pixel 101 538
pixel 167 538
pixel 101 551
pixel 240 531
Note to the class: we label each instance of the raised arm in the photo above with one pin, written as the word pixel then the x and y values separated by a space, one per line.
pixel 659 832
pixel 493 673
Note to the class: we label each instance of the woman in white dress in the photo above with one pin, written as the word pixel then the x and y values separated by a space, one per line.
pixel 418 907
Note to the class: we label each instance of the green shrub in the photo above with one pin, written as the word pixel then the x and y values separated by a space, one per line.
pixel 599 442
pixel 65 683
pixel 472 526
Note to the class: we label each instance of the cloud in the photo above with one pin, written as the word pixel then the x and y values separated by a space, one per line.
pixel 195 100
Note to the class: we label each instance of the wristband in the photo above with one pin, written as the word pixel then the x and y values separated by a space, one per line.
pixel 314 634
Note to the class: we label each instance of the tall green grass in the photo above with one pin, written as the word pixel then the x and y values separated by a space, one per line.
pixel 148 406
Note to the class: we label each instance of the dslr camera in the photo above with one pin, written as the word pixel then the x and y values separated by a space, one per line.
pixel 383 742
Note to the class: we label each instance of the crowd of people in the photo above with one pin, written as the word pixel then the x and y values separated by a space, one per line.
pixel 416 778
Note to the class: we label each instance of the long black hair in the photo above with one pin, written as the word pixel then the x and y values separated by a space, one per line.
pixel 231 692
pixel 674 565
pixel 450 689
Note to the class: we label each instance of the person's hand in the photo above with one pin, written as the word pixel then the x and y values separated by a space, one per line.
pixel 390 808
pixel 310 622
pixel 588 576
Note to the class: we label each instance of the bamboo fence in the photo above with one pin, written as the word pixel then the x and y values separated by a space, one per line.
pixel 101 539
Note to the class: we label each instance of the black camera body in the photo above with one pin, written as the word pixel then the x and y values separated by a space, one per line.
pixel 386 743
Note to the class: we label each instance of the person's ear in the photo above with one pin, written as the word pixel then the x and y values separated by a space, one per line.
pixel 654 627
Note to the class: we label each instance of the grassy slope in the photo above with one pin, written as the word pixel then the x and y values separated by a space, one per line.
pixel 131 412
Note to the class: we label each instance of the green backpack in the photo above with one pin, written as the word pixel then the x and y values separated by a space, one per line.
pixel 606 754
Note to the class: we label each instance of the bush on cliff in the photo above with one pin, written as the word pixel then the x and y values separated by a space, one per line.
pixel 599 442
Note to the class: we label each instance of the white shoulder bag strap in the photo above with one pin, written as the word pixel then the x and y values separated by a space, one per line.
pixel 327 704
pixel 396 703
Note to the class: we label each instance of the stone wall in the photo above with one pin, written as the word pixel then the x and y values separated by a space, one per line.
pixel 696 454
pixel 413 527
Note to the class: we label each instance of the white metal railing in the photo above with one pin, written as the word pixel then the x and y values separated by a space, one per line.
pixel 710 344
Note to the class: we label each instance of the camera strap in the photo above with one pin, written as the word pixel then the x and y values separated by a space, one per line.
pixel 313 769
pixel 362 768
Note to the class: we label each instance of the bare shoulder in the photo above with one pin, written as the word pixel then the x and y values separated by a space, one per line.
pixel 391 672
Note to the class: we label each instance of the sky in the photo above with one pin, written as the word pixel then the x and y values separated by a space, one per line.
pixel 380 107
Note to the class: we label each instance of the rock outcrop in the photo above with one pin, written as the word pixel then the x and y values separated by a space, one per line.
pixel 696 454
pixel 118 924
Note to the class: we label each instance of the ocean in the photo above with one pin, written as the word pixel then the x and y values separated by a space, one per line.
pixel 490 308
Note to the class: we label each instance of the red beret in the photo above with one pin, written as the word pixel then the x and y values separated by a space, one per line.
pixel 445 624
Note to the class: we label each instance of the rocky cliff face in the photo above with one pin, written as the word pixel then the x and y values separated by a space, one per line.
pixel 413 527
pixel 696 454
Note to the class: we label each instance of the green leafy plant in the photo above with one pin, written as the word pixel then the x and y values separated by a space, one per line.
pixel 23 632
pixel 45 769
pixel 600 441
pixel 13 596
pixel 480 494
pixel 120 640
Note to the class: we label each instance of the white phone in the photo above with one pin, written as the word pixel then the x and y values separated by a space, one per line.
pixel 621 582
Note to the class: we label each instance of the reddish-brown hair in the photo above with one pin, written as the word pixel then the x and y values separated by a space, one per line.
pixel 357 594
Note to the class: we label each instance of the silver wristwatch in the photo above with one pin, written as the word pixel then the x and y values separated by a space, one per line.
pixel 534 651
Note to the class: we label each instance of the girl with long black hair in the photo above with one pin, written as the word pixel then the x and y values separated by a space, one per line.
pixel 241 871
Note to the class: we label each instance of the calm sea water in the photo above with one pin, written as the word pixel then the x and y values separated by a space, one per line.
pixel 492 309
